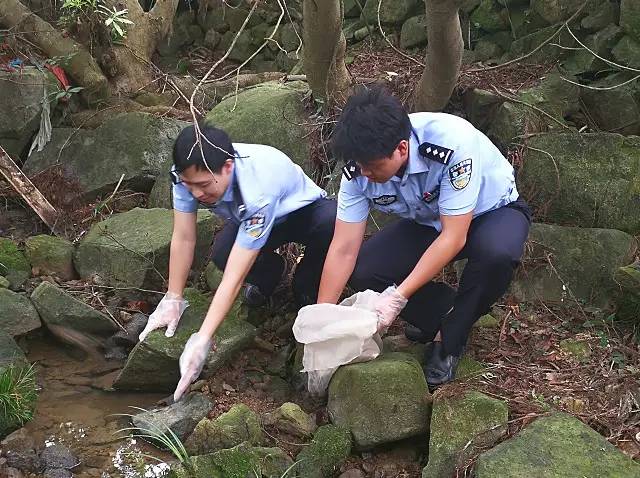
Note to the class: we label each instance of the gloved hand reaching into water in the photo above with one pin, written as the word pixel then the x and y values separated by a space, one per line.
pixel 388 306
pixel 167 314
pixel 192 361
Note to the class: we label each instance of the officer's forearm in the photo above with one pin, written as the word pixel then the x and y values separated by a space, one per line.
pixel 338 267
pixel 238 265
pixel 180 260
pixel 434 259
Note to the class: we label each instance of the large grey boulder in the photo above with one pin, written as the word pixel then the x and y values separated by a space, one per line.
pixel 18 316
pixel 59 308
pixel 555 97
pixel 180 417
pixel 557 446
pixel 587 180
pixel 630 17
pixel 380 401
pixel 270 113
pixel 21 94
pixel 568 264
pixel 131 249
pixel 137 145
pixel 153 364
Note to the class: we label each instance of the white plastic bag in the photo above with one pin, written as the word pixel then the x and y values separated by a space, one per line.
pixel 335 335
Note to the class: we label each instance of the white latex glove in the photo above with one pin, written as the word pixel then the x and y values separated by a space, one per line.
pixel 192 361
pixel 388 306
pixel 167 314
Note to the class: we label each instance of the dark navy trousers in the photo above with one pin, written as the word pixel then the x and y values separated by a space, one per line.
pixel 311 226
pixel 493 250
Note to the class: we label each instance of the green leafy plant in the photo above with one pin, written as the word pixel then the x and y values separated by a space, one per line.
pixel 116 20
pixel 18 395
pixel 162 436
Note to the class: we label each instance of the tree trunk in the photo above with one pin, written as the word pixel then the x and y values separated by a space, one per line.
pixel 82 68
pixel 324 50
pixel 129 64
pixel 444 55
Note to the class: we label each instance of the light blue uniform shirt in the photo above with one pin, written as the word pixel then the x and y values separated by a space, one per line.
pixel 265 186
pixel 476 176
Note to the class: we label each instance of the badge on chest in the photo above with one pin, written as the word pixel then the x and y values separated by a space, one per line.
pixel 385 199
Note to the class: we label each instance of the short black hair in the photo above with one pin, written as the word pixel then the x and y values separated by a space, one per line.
pixel 216 146
pixel 370 127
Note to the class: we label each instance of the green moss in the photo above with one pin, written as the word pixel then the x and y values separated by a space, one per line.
pixel 469 368
pixel 4 282
pixel 380 401
pixel 330 447
pixel 240 424
pixel 237 462
pixel 213 276
pixel 460 425
pixel 51 255
pixel 558 446
pixel 490 17
pixel 132 248
pixel 583 262
pixel 487 321
pixel 256 115
pixel 580 351
pixel 13 264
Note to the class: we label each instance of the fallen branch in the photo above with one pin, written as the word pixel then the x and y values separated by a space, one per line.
pixel 23 185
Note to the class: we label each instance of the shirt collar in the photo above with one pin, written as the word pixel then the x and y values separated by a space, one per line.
pixel 416 163
pixel 228 193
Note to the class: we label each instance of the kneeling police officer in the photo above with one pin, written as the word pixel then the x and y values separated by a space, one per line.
pixel 456 197
pixel 267 201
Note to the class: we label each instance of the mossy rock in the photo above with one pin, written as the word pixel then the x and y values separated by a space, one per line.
pixel 577 349
pixel 330 447
pixel 270 113
pixel 57 307
pixel 414 32
pixel 18 316
pixel 13 264
pixel 608 13
pixel 131 249
pixel 490 17
pixel 380 401
pixel 554 11
pixel 50 255
pixel 627 51
pixel 4 282
pixel 138 145
pixel 630 17
pixel 241 461
pixel 213 276
pixel 461 425
pixel 563 172
pixel 391 13
pixel 153 364
pixel 557 446
pixel 554 96
pixel 240 424
pixel 568 264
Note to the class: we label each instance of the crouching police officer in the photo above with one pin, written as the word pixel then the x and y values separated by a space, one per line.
pixel 267 201
pixel 456 196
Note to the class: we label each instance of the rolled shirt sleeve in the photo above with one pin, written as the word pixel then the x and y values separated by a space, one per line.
pixel 353 205
pixel 183 200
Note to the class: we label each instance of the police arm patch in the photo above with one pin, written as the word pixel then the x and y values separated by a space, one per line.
pixel 460 174
pixel 255 225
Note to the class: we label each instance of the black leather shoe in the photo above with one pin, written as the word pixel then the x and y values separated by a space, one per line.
pixel 253 296
pixel 438 367
pixel 415 334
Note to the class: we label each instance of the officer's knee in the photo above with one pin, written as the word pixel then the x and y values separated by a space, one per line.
pixel 219 256
pixel 497 261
